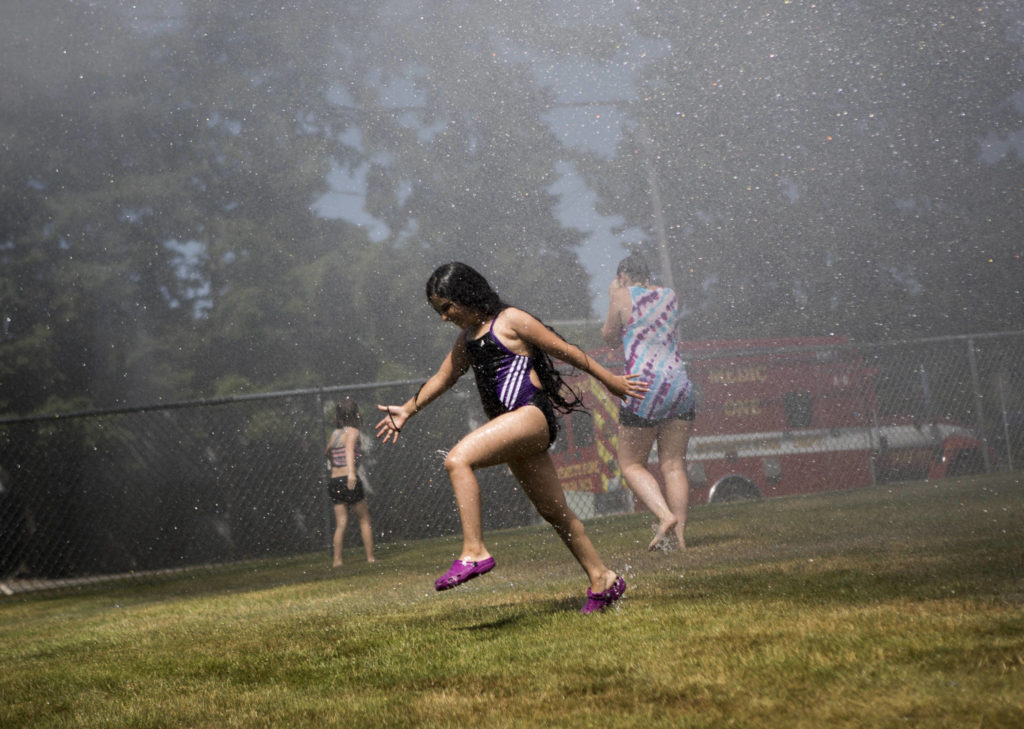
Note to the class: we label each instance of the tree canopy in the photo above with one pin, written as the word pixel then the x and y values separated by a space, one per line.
pixel 853 168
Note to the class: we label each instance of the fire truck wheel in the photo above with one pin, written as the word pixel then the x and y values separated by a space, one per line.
pixel 733 488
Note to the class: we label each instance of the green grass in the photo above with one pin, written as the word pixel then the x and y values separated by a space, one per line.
pixel 892 606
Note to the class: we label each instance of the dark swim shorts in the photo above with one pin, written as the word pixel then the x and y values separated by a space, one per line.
pixel 340 493
pixel 631 420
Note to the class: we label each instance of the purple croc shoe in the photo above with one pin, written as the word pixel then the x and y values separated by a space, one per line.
pixel 461 571
pixel 598 601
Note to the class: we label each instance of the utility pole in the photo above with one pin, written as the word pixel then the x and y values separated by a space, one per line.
pixel 654 190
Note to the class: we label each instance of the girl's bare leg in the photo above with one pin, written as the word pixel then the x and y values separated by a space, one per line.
pixel 673 440
pixel 498 441
pixel 634 449
pixel 537 475
pixel 520 439
pixel 340 522
pixel 365 529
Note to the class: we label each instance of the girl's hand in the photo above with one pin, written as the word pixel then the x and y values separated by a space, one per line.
pixel 391 424
pixel 628 386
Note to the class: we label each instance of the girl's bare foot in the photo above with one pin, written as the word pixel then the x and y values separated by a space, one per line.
pixel 605 582
pixel 664 527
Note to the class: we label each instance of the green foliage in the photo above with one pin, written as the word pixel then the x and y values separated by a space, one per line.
pixel 160 240
pixel 818 169
pixel 821 166
pixel 865 608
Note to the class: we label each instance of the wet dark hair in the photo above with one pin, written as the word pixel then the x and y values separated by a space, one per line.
pixel 464 285
pixel 635 266
pixel 346 412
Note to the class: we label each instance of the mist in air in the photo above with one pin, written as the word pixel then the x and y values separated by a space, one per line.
pixel 209 199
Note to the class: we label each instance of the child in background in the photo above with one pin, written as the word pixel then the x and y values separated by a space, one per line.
pixel 345 488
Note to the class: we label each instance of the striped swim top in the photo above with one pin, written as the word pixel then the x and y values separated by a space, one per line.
pixel 502 376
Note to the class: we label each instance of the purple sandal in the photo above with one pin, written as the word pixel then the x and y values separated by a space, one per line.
pixel 461 571
pixel 598 601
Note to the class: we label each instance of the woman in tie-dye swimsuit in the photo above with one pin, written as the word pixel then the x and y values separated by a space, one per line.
pixel 643 319
pixel 510 354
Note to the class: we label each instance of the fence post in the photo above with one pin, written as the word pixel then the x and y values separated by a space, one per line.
pixel 979 418
pixel 321 426
pixel 1004 417
pixel 874 445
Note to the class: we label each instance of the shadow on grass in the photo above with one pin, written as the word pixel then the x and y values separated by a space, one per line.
pixel 516 613
pixel 493 624
pixel 711 540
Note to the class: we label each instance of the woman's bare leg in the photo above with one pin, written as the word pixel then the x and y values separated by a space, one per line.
pixel 634 449
pixel 673 440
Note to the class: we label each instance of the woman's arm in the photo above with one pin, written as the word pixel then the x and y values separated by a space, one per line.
pixel 620 306
pixel 527 328
pixel 454 366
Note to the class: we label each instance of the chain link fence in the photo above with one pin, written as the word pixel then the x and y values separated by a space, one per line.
pixel 87 496
pixel 976 381
pixel 149 489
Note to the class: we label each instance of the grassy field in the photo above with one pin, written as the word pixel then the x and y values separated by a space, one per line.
pixel 884 607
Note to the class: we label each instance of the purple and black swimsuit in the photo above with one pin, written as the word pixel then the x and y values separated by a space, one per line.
pixel 503 380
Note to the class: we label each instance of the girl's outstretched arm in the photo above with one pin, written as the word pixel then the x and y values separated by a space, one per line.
pixel 520 325
pixel 395 416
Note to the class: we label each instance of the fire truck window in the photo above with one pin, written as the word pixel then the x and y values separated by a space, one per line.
pixel 799 412
pixel 966 461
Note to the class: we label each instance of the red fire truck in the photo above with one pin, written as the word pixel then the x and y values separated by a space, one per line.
pixel 775 417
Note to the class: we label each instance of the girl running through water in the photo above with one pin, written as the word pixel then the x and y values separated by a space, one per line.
pixel 510 354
